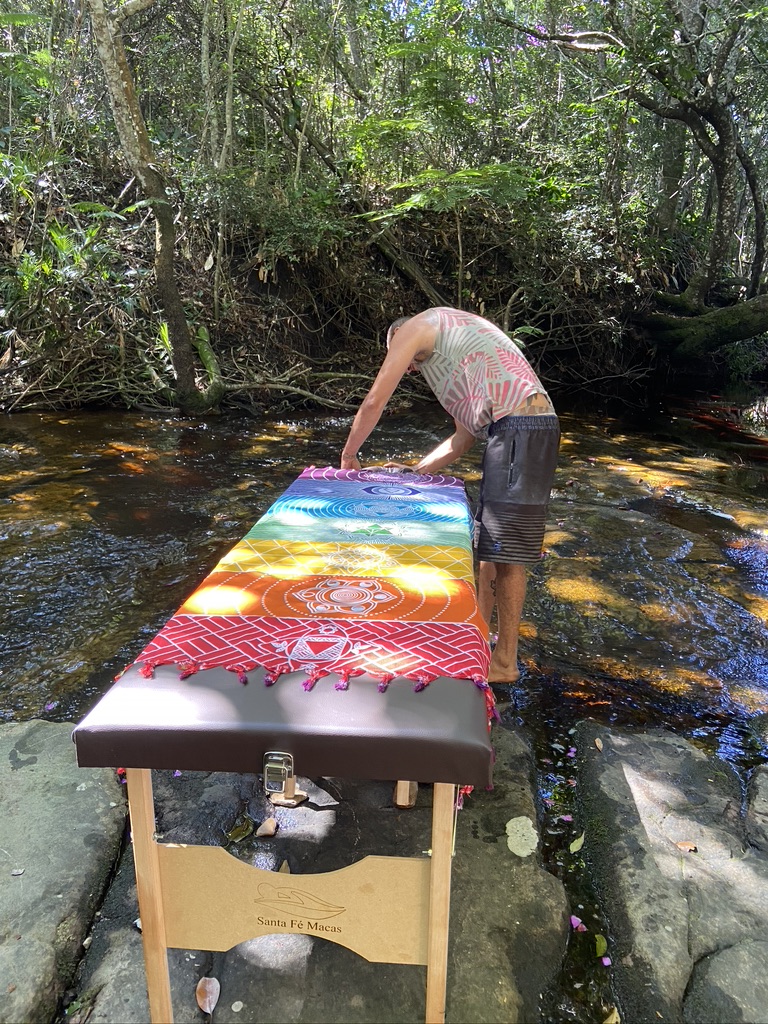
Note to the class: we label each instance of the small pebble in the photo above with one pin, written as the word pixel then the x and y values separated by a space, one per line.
pixel 267 828
pixel 237 1006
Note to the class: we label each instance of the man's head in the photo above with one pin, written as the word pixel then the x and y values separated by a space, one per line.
pixel 395 326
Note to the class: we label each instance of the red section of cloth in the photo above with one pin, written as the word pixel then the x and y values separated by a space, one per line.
pixel 409 649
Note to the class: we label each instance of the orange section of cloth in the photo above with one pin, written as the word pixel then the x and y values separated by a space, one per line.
pixel 248 593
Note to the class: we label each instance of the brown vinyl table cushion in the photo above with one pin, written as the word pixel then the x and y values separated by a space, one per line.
pixel 211 722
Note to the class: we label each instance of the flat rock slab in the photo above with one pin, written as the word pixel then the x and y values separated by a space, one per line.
pixel 757 810
pixel 61 828
pixel 509 917
pixel 730 986
pixel 679 879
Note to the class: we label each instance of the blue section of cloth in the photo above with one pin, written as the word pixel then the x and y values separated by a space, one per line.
pixel 373 512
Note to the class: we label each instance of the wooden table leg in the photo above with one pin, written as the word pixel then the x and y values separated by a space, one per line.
pixel 141 806
pixel 405 794
pixel 443 812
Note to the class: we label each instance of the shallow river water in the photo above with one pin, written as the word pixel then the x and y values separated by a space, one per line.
pixel 652 596
pixel 649 608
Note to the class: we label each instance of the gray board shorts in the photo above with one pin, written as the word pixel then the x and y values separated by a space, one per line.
pixel 518 473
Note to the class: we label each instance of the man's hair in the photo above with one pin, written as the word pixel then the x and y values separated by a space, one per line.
pixel 394 326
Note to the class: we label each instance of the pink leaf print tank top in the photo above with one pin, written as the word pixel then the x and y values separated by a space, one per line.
pixel 477 374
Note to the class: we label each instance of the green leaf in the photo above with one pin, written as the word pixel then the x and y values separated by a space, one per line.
pixel 240 831
pixel 577 844
pixel 144 204
pixel 165 337
pixel 601 945
pixel 97 209
pixel 19 19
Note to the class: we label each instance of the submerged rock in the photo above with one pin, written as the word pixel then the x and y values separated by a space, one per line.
pixel 757 810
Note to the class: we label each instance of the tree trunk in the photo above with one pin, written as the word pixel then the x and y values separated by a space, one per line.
pixel 209 139
pixel 758 205
pixel 674 146
pixel 138 151
pixel 725 165
pixel 693 337
pixel 357 72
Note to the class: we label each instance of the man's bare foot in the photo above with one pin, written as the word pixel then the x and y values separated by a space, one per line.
pixel 503 672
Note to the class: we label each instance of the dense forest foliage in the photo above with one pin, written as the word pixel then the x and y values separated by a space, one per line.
pixel 208 204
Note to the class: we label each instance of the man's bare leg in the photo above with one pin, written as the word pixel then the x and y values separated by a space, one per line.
pixel 505 586
pixel 486 590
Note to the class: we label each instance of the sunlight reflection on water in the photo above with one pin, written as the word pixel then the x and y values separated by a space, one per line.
pixel 651 598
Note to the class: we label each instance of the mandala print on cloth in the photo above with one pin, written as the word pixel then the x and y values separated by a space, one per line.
pixel 348 572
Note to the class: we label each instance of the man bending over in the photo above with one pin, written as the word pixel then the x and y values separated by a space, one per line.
pixel 486 384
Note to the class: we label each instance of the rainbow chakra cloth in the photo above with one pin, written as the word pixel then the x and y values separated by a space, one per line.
pixel 348 572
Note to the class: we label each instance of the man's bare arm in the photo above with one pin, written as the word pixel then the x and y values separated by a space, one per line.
pixel 410 343
pixel 447 451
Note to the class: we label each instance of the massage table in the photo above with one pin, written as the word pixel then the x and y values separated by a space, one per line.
pixel 339 638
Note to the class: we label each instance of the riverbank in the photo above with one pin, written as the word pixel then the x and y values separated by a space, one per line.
pixel 680 863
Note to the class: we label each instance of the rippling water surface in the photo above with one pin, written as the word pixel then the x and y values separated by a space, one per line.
pixel 651 603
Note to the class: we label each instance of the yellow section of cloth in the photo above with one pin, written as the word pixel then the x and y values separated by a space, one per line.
pixel 292 559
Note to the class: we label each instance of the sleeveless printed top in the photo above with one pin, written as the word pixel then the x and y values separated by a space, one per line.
pixel 477 374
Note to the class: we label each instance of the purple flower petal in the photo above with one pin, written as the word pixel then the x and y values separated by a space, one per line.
pixel 565 817
pixel 575 921
pixel 605 961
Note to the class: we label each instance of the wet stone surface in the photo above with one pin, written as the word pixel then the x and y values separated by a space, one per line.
pixel 681 884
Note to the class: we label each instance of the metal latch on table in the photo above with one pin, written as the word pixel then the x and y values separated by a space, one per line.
pixel 278 769
pixel 280 780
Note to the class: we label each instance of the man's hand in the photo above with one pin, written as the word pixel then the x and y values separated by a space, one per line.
pixel 349 462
